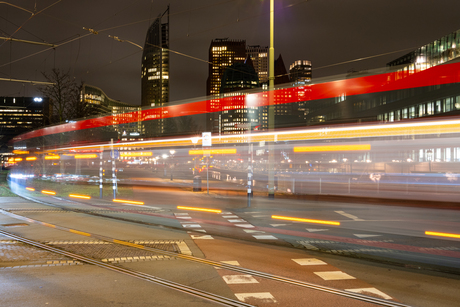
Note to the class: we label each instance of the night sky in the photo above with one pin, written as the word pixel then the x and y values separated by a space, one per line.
pixel 322 31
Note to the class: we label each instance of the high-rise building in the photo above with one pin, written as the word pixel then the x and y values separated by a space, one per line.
pixel 237 78
pixel 155 69
pixel 286 114
pixel 21 114
pixel 300 72
pixel 259 57
pixel 222 54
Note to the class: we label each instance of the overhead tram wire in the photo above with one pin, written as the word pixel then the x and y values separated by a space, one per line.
pixel 184 54
pixel 365 58
pixel 103 30
pixel 48 49
pixel 8 21
pixel 32 16
pixel 173 14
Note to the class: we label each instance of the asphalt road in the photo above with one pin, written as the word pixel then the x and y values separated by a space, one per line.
pixel 242 236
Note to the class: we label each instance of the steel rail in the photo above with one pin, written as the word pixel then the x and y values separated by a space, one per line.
pixel 343 293
pixel 144 276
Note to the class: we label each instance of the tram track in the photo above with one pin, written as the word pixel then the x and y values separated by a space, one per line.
pixel 144 276
pixel 268 276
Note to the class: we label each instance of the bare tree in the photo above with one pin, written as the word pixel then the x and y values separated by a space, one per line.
pixel 64 96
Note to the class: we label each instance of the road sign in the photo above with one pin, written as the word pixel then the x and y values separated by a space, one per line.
pixel 115 154
pixel 206 142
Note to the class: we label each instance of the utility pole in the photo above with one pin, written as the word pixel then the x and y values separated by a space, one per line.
pixel 271 111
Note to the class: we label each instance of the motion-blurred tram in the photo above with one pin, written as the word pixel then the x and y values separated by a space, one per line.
pixel 400 156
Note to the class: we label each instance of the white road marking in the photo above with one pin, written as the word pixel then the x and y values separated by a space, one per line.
pixel 239 279
pixel 191 225
pixel 201 230
pixel 366 236
pixel 371 290
pixel 230 216
pixel 264 215
pixel 309 261
pixel 334 275
pixel 252 231
pixel 315 230
pixel 223 213
pixel 184 217
pixel 277 225
pixel 265 297
pixel 183 247
pixel 351 216
pixel 265 237
pixel 245 225
pixel 176 214
pixel 201 237
pixel 237 221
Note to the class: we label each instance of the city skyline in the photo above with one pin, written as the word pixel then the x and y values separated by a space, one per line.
pixel 307 30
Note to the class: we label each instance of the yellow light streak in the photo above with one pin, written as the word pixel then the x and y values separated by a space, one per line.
pixel 87 156
pixel 137 154
pixel 442 234
pixel 212 151
pixel 17 159
pixel 52 157
pixel 30 189
pixel 128 201
pixel 365 131
pixel 31 158
pixel 80 196
pixel 360 147
pixel 48 192
pixel 295 219
pixel 199 209
pixel 21 152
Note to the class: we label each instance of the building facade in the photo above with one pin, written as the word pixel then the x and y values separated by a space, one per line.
pixel 119 110
pixel 259 57
pixel 155 70
pixel 399 104
pixel 237 78
pixel 300 72
pixel 223 53
pixel 21 114
pixel 437 52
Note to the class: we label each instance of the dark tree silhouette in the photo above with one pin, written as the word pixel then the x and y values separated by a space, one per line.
pixel 65 98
